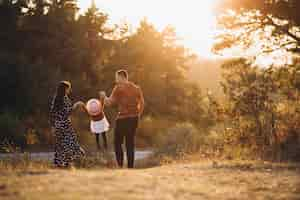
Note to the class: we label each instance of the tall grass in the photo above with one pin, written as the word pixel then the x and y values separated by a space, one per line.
pixel 23 162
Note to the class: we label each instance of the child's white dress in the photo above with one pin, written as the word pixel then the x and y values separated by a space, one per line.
pixel 100 126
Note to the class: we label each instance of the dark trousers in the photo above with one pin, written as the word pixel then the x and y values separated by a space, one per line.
pixel 104 140
pixel 125 129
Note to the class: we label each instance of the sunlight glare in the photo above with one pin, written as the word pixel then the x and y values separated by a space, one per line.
pixel 193 20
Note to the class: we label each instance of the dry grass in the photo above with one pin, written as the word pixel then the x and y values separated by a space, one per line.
pixel 204 180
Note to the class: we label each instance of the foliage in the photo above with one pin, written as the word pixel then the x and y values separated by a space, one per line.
pixel 151 129
pixel 268 25
pixel 11 130
pixel 260 112
pixel 48 41
pixel 181 139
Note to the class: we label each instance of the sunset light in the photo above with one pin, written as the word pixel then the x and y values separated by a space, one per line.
pixel 193 20
pixel 150 99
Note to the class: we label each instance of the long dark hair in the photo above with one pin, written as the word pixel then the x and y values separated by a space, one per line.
pixel 60 94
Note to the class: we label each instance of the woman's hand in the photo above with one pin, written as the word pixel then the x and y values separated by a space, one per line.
pixel 77 104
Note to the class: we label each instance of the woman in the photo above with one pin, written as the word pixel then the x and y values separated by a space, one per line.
pixel 67 148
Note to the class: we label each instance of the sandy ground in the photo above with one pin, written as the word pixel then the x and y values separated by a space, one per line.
pixel 201 180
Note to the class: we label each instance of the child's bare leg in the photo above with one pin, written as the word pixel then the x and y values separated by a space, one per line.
pixel 104 140
pixel 97 141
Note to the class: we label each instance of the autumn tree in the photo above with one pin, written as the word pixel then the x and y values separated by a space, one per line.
pixel 267 93
pixel 270 24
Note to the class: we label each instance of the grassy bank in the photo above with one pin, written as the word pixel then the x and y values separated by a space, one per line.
pixel 201 180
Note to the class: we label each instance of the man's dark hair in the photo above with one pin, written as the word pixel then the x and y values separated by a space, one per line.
pixel 123 73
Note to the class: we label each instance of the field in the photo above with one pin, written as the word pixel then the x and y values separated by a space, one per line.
pixel 196 180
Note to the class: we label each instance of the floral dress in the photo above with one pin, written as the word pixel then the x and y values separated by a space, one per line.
pixel 66 147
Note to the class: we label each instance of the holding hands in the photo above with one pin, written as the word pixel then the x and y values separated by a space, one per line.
pixel 78 104
pixel 81 104
pixel 102 94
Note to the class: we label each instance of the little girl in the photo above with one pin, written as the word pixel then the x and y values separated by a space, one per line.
pixel 99 124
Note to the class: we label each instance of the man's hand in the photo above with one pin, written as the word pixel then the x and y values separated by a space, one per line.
pixel 102 94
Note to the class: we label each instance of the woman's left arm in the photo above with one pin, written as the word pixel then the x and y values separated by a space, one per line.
pixel 78 103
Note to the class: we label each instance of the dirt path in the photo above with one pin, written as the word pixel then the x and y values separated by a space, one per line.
pixel 36 156
pixel 182 181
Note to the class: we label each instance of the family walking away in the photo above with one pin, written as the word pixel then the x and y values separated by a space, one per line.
pixel 128 98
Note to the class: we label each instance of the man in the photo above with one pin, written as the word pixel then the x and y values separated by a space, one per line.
pixel 130 101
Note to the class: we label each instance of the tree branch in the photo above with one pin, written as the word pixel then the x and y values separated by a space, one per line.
pixel 283 30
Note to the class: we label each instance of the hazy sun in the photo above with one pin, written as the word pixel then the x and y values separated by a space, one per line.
pixel 192 19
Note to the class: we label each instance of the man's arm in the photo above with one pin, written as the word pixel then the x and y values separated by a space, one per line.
pixel 108 101
pixel 101 99
pixel 142 102
pixel 112 99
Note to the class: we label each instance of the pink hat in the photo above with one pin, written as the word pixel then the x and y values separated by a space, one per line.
pixel 93 107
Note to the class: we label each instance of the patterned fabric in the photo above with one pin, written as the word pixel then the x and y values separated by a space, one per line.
pixel 66 148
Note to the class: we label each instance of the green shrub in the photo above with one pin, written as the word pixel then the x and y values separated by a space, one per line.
pixel 151 130
pixel 11 130
pixel 181 139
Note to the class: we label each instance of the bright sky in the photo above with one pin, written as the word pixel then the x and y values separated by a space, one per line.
pixel 192 19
